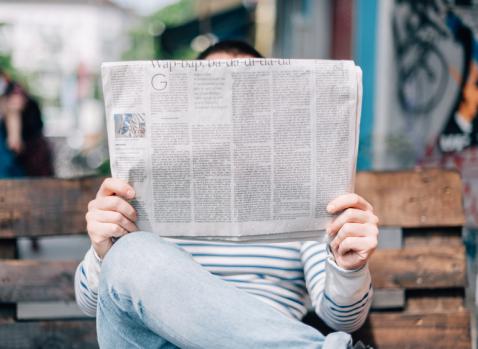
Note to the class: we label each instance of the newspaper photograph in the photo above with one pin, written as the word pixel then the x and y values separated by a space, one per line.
pixel 235 150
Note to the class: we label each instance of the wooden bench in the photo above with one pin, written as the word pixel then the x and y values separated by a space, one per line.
pixel 419 269
pixel 419 282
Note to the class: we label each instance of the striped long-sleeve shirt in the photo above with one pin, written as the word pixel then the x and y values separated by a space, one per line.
pixel 280 274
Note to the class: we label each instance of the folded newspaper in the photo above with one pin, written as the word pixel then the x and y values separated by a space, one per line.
pixel 235 150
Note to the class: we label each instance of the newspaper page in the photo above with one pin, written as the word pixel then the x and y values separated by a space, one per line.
pixel 235 150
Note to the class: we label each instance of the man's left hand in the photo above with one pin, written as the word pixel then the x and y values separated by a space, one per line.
pixel 354 231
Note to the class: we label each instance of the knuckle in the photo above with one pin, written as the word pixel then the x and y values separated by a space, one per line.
pixel 114 200
pixel 347 227
pixel 374 244
pixel 355 198
pixel 117 229
pixel 113 229
pixel 117 202
pixel 116 217
pixel 374 230
pixel 91 204
pixel 125 223
pixel 373 219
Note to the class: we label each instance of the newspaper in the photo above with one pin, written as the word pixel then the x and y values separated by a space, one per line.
pixel 235 150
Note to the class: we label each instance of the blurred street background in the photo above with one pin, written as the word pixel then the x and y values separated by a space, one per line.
pixel 419 62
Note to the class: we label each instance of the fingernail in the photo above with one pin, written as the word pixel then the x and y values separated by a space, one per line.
pixel 130 193
pixel 330 208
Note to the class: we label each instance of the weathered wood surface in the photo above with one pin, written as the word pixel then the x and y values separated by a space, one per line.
pixel 28 280
pixel 48 206
pixel 424 198
pixel 419 267
pixel 45 206
pixel 444 301
pixel 411 331
pixel 422 267
pixel 78 334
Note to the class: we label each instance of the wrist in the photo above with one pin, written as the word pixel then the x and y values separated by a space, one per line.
pixel 337 262
pixel 100 249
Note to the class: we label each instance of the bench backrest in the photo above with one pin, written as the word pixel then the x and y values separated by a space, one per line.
pixel 419 281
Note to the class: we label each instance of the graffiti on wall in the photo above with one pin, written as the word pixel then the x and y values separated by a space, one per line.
pixel 461 130
pixel 421 65
pixel 436 87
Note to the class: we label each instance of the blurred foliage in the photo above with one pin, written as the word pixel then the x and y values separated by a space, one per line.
pixel 7 66
pixel 177 13
pixel 21 78
pixel 144 41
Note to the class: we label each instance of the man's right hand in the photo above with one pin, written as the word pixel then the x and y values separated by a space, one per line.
pixel 110 215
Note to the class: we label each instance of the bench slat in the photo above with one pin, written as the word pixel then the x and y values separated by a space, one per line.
pixel 410 268
pixel 425 198
pixel 410 331
pixel 78 334
pixel 49 206
pixel 45 206
pixel 419 267
pixel 28 280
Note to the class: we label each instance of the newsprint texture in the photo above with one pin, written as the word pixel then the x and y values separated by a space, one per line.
pixel 234 150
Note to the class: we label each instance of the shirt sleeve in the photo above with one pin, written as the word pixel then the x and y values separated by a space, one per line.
pixel 341 298
pixel 86 282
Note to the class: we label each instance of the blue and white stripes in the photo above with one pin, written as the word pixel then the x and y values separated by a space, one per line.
pixel 280 274
pixel 85 297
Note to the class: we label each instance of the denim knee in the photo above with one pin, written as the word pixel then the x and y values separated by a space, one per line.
pixel 136 257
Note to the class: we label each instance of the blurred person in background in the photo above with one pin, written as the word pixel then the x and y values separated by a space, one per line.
pixel 24 151
pixel 10 132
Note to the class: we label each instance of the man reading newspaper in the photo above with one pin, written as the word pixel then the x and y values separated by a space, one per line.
pixel 148 291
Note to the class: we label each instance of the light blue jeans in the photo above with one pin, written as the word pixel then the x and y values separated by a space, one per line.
pixel 152 294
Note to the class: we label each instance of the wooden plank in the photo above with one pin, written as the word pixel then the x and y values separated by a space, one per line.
pixel 28 280
pixel 435 301
pixel 422 198
pixel 45 206
pixel 411 331
pixel 49 334
pixel 435 304
pixel 419 267
pixel 49 206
